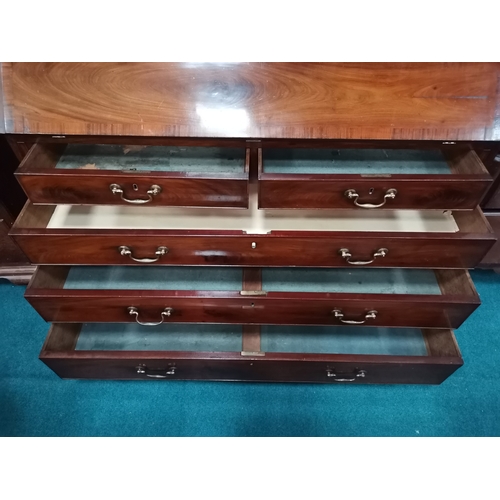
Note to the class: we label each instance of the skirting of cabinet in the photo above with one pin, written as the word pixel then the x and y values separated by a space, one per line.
pixel 294 296
pixel 165 236
pixel 203 352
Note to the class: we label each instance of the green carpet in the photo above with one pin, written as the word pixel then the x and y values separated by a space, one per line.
pixel 35 402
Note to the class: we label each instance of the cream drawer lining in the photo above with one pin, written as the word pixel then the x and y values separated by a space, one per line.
pixel 251 220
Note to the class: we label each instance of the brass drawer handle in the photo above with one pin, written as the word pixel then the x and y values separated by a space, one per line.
pixel 357 374
pixel 351 194
pixel 133 311
pixel 127 251
pixel 153 191
pixel 143 370
pixel 346 254
pixel 340 316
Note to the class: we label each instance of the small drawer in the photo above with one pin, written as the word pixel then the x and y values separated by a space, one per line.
pixel 272 354
pixel 377 179
pixel 82 174
pixel 296 296
pixel 222 237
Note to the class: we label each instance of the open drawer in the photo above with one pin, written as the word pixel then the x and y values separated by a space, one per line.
pixel 108 235
pixel 295 296
pixel 83 174
pixel 231 352
pixel 449 178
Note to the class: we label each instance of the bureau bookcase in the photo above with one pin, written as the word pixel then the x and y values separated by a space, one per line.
pixel 253 222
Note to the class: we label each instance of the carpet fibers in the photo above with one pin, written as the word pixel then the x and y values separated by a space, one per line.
pixel 35 402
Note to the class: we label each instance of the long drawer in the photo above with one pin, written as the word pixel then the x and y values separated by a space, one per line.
pixel 294 296
pixel 231 352
pixel 452 177
pixel 82 174
pixel 166 236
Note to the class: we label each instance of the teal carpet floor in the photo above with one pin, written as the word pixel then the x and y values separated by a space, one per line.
pixel 35 402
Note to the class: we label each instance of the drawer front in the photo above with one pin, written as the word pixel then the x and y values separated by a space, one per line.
pixel 132 189
pixel 375 194
pixel 136 181
pixel 400 311
pixel 143 248
pixel 451 179
pixel 254 370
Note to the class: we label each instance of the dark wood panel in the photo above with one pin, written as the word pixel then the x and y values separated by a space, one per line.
pixel 235 142
pixel 401 311
pixel 439 250
pixel 10 253
pixel 255 370
pixel 59 355
pixel 411 193
pixel 20 145
pixel 14 265
pixel 11 194
pixel 74 189
pixel 416 101
pixel 492 258
pixel 492 198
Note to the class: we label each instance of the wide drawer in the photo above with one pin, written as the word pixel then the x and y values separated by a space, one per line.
pixel 167 236
pixel 231 352
pixel 82 174
pixel 448 178
pixel 295 296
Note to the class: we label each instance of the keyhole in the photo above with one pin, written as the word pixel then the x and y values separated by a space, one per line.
pixel 253 304
pixel 135 187
pixel 371 191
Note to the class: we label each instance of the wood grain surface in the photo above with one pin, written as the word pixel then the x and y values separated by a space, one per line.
pixel 441 101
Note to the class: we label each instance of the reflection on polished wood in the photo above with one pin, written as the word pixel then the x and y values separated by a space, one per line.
pixel 417 101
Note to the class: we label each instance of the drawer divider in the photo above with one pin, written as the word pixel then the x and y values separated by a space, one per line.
pixel 251 341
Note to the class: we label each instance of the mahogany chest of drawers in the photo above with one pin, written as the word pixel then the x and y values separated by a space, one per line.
pixel 251 257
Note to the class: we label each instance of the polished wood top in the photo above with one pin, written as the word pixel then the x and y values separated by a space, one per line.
pixel 417 101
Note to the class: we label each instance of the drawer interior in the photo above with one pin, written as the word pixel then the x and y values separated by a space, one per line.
pixel 361 280
pixel 252 221
pixel 153 278
pixel 343 340
pixel 174 337
pixel 444 282
pixel 370 162
pixel 134 158
pixel 266 339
